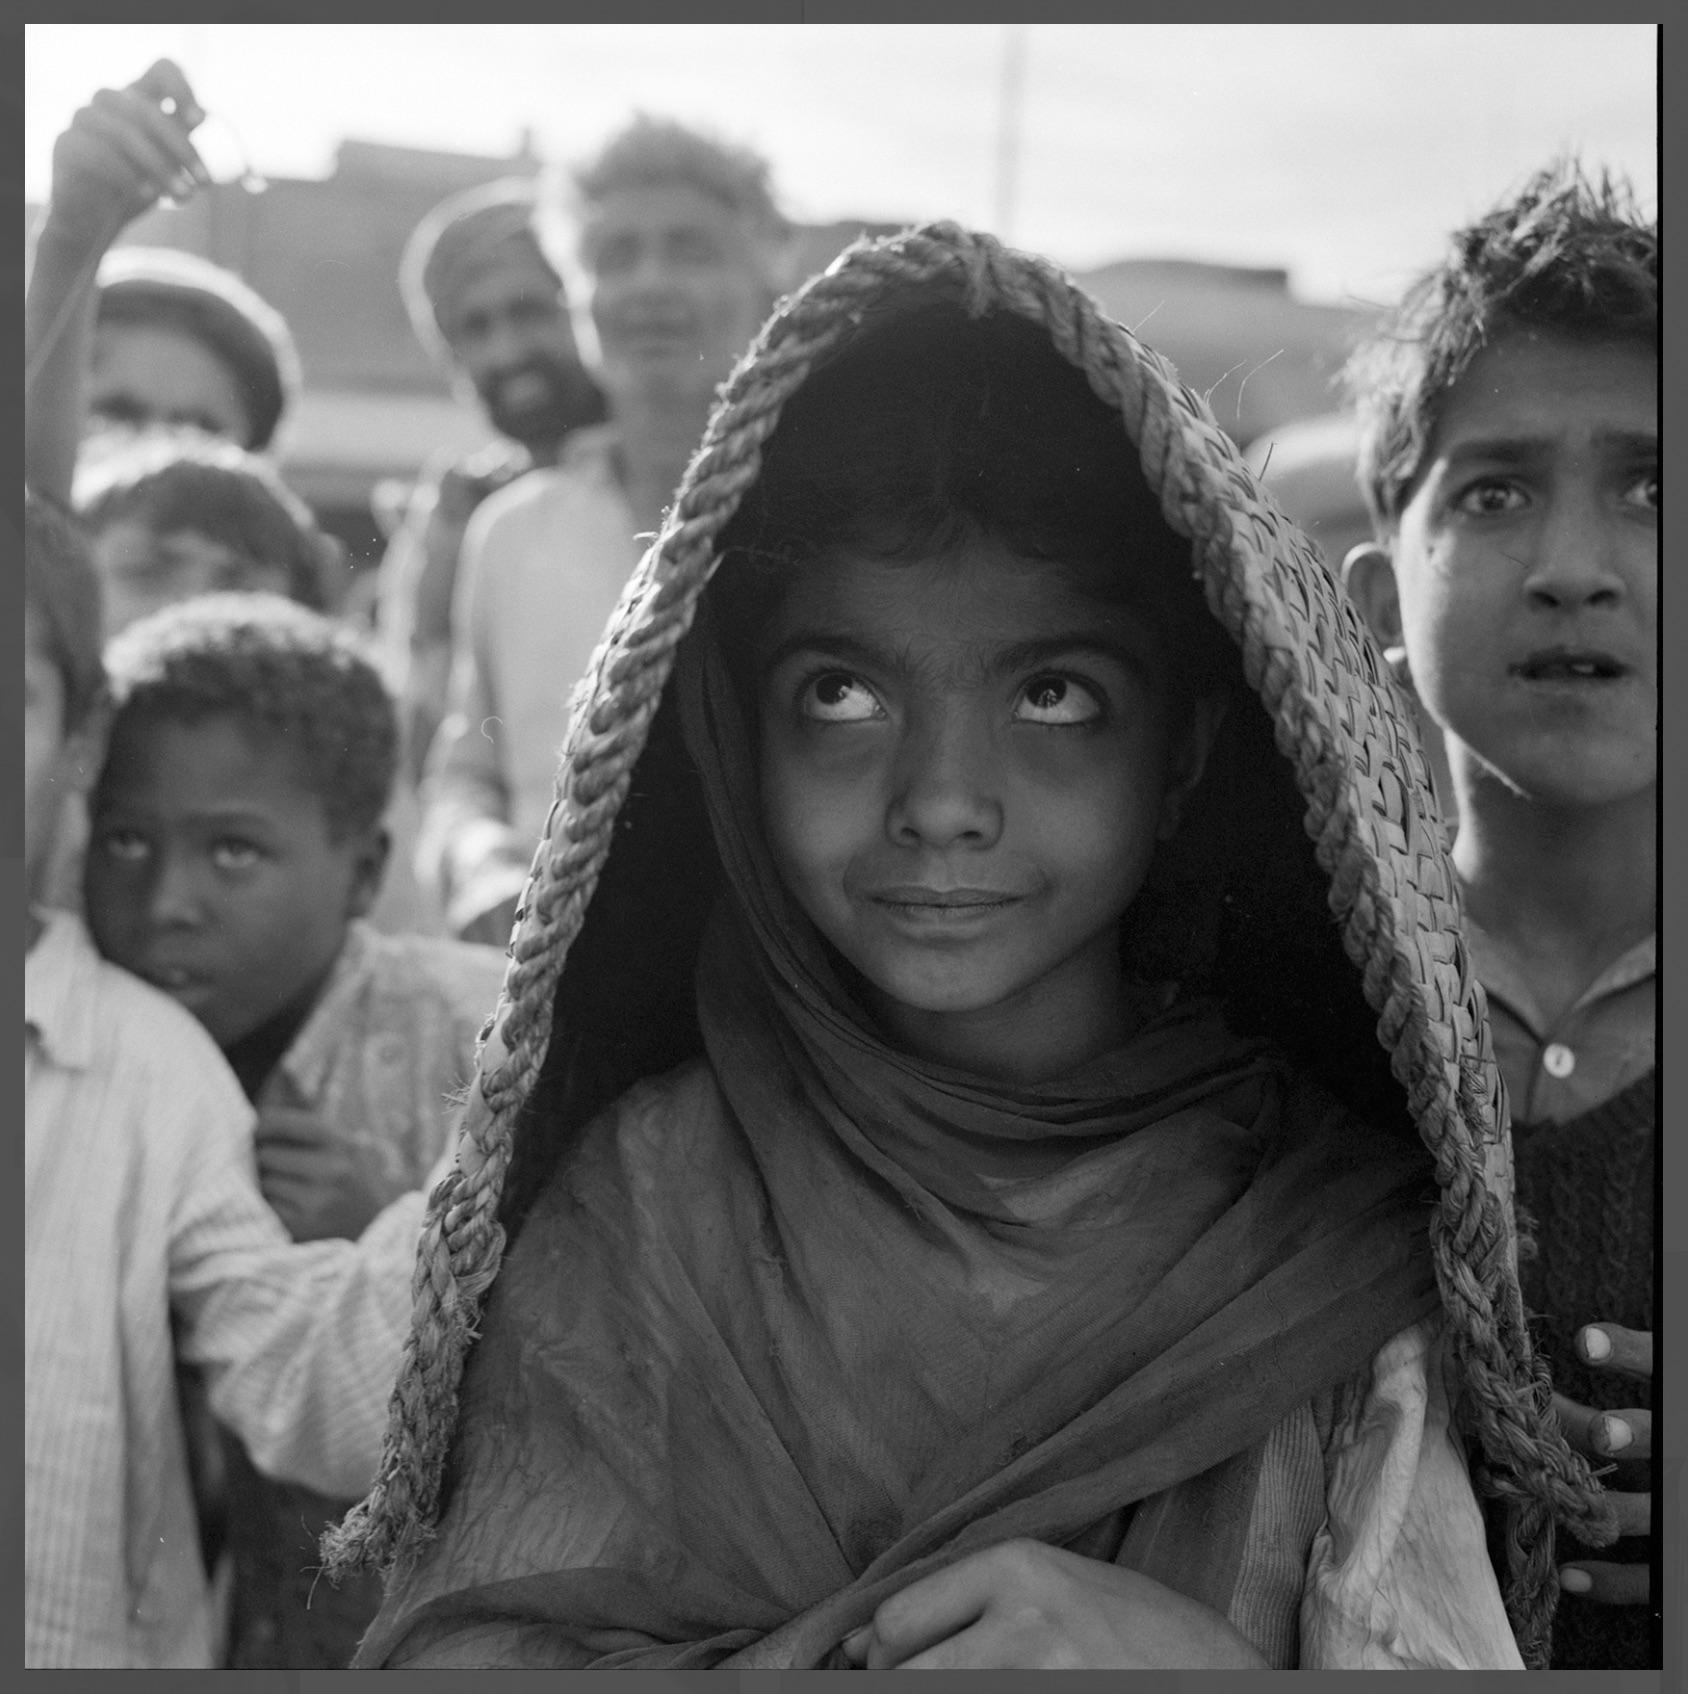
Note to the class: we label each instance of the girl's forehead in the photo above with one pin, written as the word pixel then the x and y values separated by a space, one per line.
pixel 981 593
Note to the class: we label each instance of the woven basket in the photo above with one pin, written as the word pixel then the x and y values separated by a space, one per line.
pixel 1338 721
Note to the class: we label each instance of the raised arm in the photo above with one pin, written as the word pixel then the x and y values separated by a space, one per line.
pixel 122 152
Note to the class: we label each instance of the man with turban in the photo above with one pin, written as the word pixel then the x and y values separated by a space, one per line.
pixel 488 304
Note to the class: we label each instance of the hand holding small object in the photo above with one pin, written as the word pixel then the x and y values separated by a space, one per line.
pixel 124 151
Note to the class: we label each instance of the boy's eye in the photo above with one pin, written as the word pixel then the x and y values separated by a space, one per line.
pixel 1056 700
pixel 838 697
pixel 1644 491
pixel 234 855
pixel 1490 497
pixel 124 845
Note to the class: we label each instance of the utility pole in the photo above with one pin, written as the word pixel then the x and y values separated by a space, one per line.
pixel 1011 95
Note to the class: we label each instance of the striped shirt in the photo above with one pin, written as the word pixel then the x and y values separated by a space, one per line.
pixel 141 1203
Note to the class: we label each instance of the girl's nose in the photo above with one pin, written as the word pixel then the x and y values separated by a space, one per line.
pixel 944 790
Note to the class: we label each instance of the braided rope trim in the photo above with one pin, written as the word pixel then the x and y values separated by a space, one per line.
pixel 1338 719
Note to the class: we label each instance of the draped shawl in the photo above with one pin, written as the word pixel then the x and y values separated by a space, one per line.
pixel 807 1317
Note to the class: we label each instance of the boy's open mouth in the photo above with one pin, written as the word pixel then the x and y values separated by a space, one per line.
pixel 1564 664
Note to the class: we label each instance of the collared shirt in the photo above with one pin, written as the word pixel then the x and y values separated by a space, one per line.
pixel 1557 1068
pixel 140 1205
pixel 389 1044
pixel 544 563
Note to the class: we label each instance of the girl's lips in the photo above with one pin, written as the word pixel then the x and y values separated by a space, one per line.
pixel 949 899
pixel 945 911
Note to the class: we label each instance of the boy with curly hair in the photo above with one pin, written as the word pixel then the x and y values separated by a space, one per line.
pixel 236 843
pixel 1509 418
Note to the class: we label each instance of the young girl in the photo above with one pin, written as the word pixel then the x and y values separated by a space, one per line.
pixel 962 1212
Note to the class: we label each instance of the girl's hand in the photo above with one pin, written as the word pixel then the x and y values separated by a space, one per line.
pixel 1626 1434
pixel 1026 1606
pixel 122 153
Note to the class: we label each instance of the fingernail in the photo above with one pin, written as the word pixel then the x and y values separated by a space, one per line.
pixel 1575 1581
pixel 1596 1345
pixel 184 184
pixel 1615 1434
pixel 856 1640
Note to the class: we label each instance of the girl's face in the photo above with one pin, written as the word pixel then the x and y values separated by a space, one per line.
pixel 966 765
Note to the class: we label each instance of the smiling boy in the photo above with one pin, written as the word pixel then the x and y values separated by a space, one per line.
pixel 1510 456
pixel 674 252
pixel 487 303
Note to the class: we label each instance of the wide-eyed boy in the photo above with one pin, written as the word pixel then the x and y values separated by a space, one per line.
pixel 1509 417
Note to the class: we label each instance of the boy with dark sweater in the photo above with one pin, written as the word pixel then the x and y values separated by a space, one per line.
pixel 1510 458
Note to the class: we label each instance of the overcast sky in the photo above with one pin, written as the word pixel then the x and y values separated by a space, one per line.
pixel 1342 153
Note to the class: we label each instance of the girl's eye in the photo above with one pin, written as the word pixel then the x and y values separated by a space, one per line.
pixel 1056 700
pixel 124 845
pixel 838 697
pixel 234 855
pixel 1490 498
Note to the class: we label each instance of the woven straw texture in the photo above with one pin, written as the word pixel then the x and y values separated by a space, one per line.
pixel 1338 721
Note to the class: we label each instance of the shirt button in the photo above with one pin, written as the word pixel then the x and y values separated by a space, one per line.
pixel 1559 1060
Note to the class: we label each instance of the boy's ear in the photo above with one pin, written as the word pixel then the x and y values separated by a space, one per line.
pixel 1189 759
pixel 369 866
pixel 1368 575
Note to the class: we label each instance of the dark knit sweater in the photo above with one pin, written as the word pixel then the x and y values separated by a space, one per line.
pixel 1586 1197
